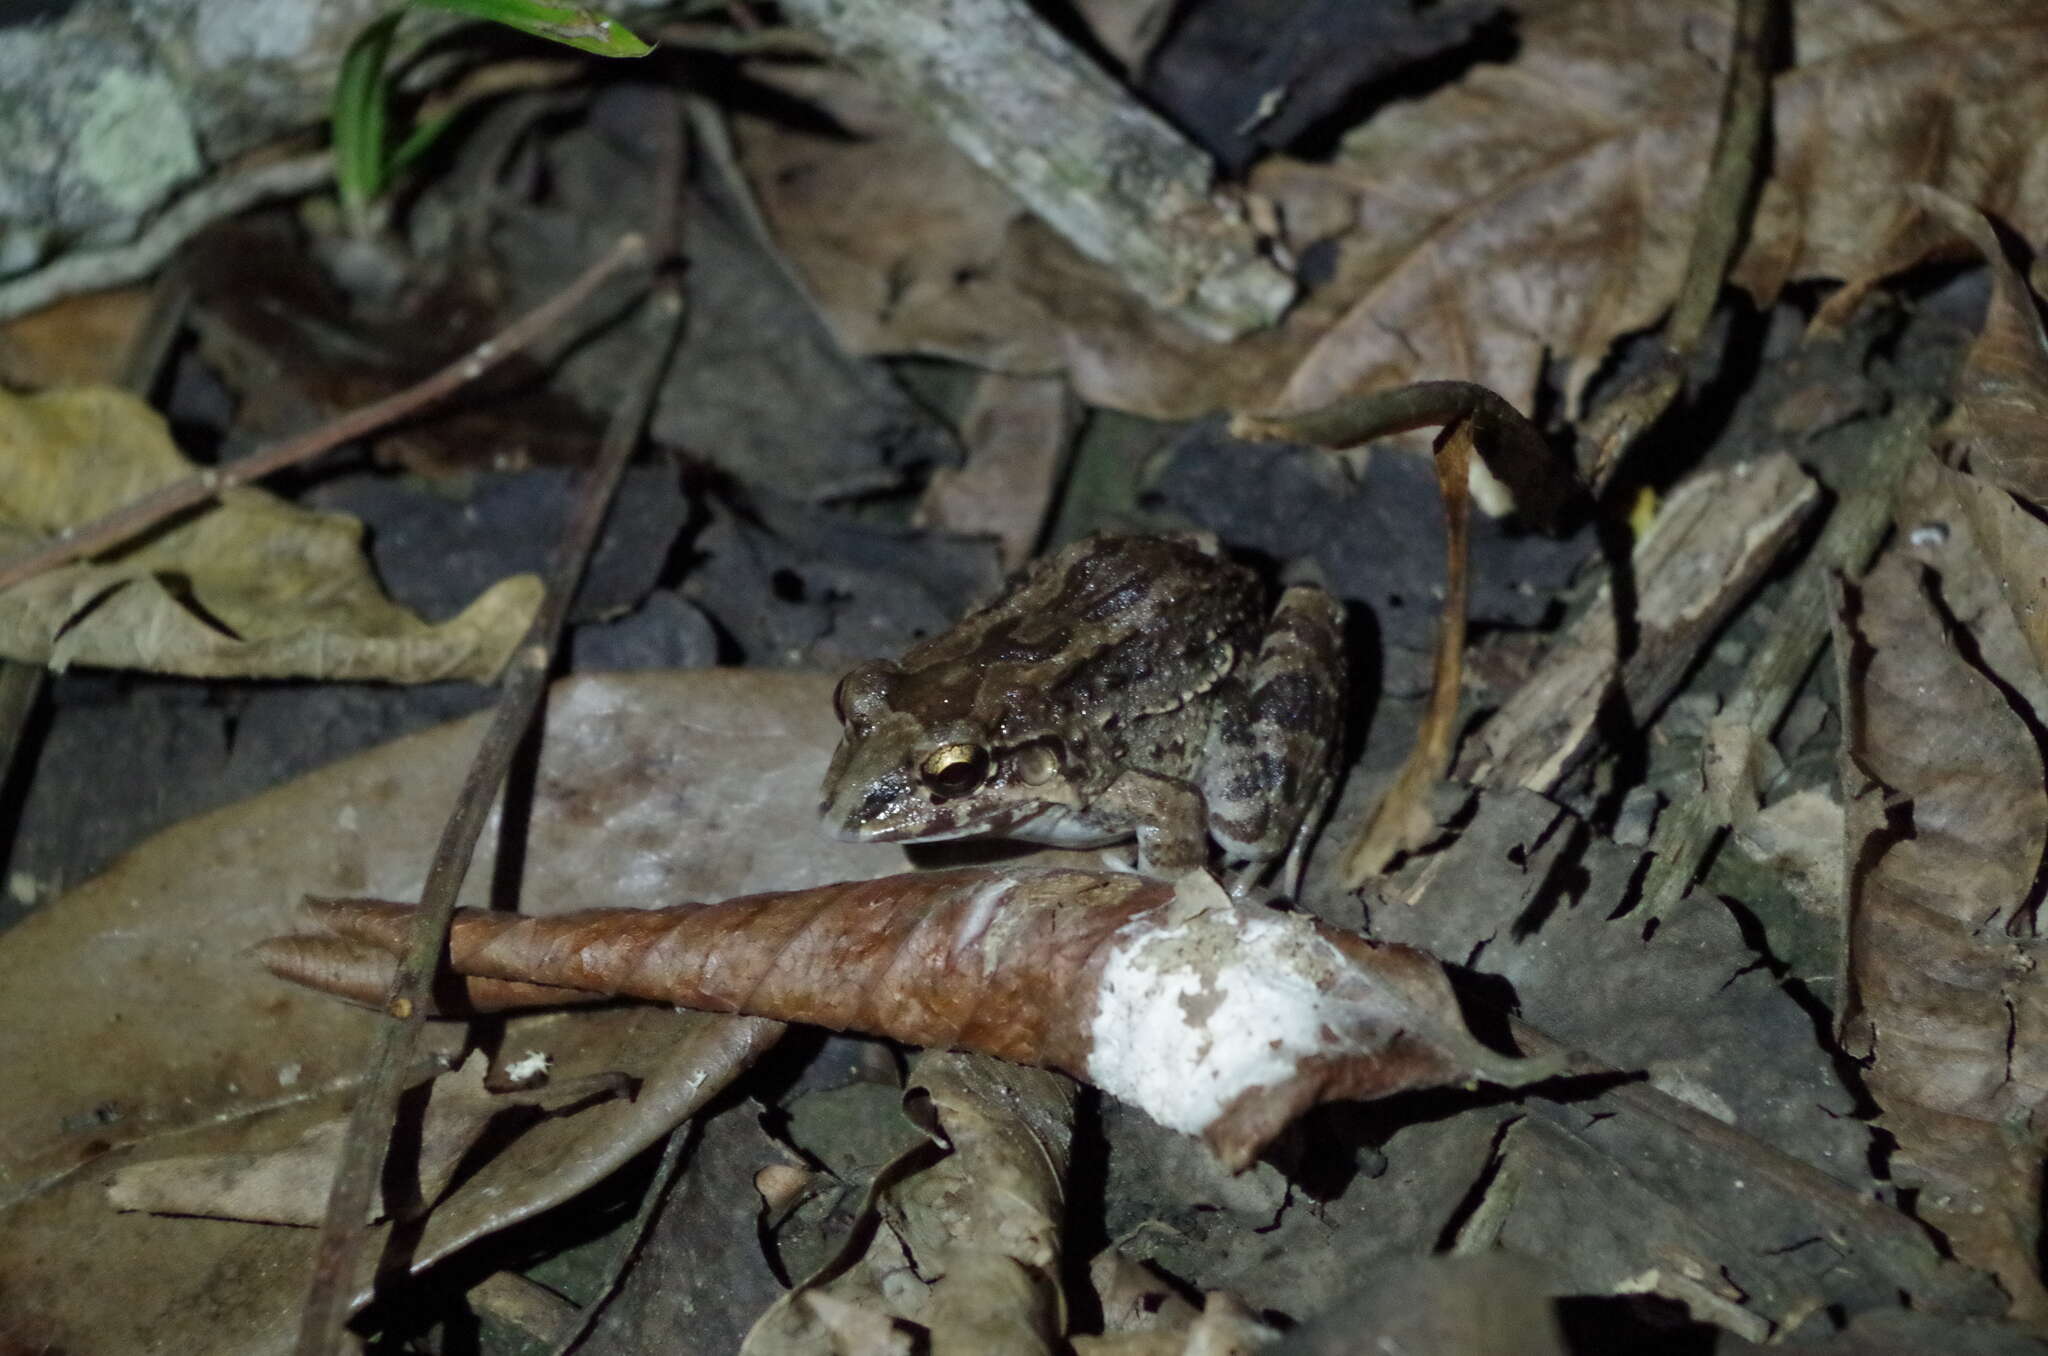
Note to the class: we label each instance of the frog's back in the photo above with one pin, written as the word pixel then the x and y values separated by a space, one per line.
pixel 1108 627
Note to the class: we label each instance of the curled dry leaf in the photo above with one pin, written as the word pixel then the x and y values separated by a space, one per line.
pixel 250 587
pixel 2001 393
pixel 1217 1019
pixel 1947 826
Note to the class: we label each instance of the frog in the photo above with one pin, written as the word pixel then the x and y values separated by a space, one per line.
pixel 1125 687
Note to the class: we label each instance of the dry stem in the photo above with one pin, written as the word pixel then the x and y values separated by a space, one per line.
pixel 116 527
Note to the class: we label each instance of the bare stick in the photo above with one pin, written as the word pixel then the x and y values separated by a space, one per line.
pixel 215 201
pixel 375 1110
pixel 74 543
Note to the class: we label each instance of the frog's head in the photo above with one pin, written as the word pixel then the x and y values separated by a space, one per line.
pixel 915 766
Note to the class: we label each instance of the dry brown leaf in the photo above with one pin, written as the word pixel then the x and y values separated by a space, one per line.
pixel 1087 973
pixel 1947 825
pixel 980 1227
pixel 1539 207
pixel 1017 430
pixel 133 1023
pixel 76 342
pixel 250 587
pixel 1545 206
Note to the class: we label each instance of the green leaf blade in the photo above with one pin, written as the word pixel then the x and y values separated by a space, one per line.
pixel 575 26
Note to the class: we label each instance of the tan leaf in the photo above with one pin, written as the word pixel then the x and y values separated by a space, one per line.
pixel 290 1185
pixel 1017 430
pixel 1947 824
pixel 250 587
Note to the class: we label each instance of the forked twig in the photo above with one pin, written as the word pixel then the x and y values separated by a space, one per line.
pixel 74 543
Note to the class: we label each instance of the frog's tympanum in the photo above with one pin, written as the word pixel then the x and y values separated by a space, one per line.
pixel 1123 687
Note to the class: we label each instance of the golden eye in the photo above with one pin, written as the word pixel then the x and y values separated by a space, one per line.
pixel 955 769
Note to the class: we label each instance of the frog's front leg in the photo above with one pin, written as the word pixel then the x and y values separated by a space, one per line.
pixel 1271 755
pixel 1169 820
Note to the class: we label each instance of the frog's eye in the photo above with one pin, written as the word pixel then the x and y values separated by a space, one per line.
pixel 1037 764
pixel 955 769
pixel 839 698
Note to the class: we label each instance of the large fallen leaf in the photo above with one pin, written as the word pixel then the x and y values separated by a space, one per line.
pixel 1947 825
pixel 1218 1019
pixel 1539 207
pixel 1546 206
pixel 133 1024
pixel 250 587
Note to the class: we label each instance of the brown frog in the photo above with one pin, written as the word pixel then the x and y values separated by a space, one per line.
pixel 1125 686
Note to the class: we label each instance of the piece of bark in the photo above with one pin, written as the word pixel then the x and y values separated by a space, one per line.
pixel 1714 539
pixel 1855 526
pixel 1100 168
pixel 1217 1019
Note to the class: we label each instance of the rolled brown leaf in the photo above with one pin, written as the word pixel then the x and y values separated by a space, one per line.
pixel 362 973
pixel 1218 1019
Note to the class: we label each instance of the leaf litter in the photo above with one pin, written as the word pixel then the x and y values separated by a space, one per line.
pixel 1712 1157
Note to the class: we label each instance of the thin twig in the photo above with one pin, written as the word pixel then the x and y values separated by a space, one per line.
pixel 1734 174
pixel 74 543
pixel 375 1111
pixel 1402 821
pixel 215 201
pixel 1732 177
pixel 1688 832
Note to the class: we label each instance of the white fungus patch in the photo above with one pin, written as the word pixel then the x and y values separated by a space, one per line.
pixel 528 1066
pixel 1196 1010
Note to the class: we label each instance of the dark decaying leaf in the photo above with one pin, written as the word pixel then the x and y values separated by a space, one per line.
pixel 1219 1020
pixel 1947 823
